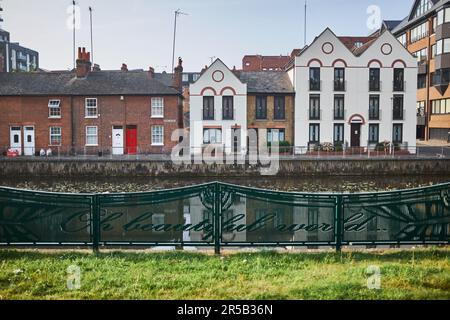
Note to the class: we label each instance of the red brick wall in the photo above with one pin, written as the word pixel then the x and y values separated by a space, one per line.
pixel 33 111
pixel 132 110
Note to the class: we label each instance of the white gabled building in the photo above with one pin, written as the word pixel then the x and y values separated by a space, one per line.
pixel 218 111
pixel 356 94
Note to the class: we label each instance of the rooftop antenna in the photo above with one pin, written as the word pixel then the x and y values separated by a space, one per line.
pixel 306 7
pixel 1 10
pixel 74 36
pixel 92 37
pixel 212 59
pixel 177 13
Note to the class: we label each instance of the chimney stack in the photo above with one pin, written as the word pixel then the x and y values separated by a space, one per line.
pixel 124 67
pixel 83 63
pixel 151 73
pixel 178 76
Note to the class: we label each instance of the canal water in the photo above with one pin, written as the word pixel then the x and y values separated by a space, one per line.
pixel 298 184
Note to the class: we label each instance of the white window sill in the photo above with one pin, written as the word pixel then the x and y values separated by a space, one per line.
pixel 54 117
pixel 91 145
pixel 96 117
pixel 157 117
pixel 157 144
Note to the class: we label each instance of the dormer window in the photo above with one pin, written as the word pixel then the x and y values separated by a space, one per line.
pixel 358 44
pixel 422 7
pixel 54 109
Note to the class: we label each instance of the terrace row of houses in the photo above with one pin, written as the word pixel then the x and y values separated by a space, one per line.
pixel 346 91
pixel 352 92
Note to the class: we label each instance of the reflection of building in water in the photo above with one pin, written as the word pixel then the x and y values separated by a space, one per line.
pixel 146 223
pixel 278 214
pixel 198 213
pixel 317 222
pixel 238 209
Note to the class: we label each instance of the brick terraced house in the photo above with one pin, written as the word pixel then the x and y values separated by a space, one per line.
pixel 90 111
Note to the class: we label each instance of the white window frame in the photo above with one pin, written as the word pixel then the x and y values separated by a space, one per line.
pixel 86 109
pixel 55 135
pixel 91 135
pixel 54 104
pixel 159 135
pixel 217 134
pixel 446 45
pixel 160 108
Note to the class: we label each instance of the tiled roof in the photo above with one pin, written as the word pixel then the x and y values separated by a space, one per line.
pixel 266 81
pixel 350 42
pixel 96 83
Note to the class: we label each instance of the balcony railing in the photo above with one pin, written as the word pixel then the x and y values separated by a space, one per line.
pixel 421 119
pixel 375 114
pixel 315 114
pixel 374 86
pixel 207 115
pixel 340 85
pixel 315 85
pixel 339 114
pixel 399 86
pixel 228 116
pixel 398 114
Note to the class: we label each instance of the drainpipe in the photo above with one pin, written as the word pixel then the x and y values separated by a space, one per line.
pixel 72 126
pixel 428 82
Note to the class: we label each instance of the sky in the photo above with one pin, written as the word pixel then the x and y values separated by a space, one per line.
pixel 140 32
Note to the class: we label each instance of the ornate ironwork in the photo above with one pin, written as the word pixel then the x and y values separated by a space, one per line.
pixel 219 214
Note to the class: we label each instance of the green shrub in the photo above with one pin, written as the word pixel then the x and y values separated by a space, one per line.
pixel 284 146
pixel 338 147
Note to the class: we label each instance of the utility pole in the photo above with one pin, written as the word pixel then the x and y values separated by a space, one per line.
pixel 92 38
pixel 74 36
pixel 177 13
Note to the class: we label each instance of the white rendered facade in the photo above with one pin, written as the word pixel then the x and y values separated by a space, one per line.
pixel 327 53
pixel 218 88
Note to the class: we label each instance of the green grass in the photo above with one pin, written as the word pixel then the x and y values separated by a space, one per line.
pixel 418 274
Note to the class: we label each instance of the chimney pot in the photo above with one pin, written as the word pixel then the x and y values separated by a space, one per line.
pixel 177 82
pixel 83 63
pixel 124 67
pixel 151 72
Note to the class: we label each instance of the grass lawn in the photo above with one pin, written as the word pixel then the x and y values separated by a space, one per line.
pixel 414 274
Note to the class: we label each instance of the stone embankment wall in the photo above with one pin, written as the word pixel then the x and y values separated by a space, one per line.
pixel 140 168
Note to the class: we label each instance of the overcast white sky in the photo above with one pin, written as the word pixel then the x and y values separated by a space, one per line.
pixel 139 32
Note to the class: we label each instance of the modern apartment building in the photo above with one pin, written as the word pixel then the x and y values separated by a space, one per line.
pixel 16 58
pixel 425 32
pixel 356 93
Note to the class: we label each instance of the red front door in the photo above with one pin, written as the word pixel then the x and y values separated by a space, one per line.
pixel 131 147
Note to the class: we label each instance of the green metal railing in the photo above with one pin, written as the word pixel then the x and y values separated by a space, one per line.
pixel 223 215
